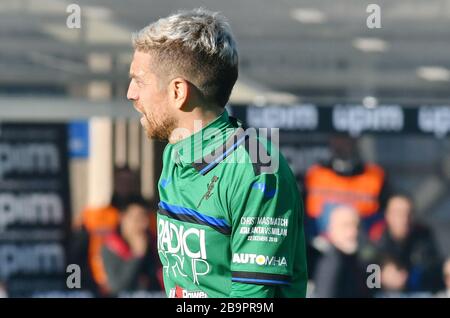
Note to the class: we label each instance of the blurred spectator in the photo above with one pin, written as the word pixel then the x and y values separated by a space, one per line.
pixel 126 185
pixel 95 224
pixel 394 276
pixel 344 180
pixel 3 290
pixel 86 243
pixel 340 273
pixel 446 275
pixel 129 254
pixel 412 243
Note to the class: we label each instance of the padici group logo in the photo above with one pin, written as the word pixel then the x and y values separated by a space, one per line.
pixel 182 250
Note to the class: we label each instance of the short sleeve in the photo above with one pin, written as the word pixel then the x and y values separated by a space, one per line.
pixel 266 224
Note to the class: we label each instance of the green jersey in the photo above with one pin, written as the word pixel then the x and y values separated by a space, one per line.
pixel 230 219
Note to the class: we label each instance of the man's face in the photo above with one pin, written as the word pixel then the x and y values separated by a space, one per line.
pixel 447 274
pixel 343 229
pixel 398 217
pixel 135 220
pixel 393 278
pixel 149 99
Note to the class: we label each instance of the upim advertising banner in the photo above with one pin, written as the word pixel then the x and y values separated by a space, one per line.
pixel 34 207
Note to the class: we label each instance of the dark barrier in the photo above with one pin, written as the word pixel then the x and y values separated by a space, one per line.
pixel 34 207
pixel 351 119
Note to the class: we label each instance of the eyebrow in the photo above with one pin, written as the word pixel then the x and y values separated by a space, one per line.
pixel 133 75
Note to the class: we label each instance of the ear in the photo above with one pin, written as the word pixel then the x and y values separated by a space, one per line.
pixel 179 92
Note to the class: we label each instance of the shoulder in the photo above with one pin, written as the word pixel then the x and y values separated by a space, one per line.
pixel 375 169
pixel 329 259
pixel 116 245
pixel 167 152
pixel 257 155
pixel 100 218
pixel 259 166
pixel 421 231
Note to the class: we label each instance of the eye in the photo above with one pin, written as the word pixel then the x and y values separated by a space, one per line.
pixel 140 83
pixel 136 81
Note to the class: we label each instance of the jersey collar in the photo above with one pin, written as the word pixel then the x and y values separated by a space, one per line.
pixel 203 142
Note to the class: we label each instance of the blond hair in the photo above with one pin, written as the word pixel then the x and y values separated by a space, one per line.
pixel 197 45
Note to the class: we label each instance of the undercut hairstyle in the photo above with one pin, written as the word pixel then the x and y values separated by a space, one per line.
pixel 197 45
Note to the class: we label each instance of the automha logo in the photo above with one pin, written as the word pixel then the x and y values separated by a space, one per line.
pixel 262 260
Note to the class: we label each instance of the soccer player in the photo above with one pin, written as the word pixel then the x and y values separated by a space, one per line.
pixel 230 219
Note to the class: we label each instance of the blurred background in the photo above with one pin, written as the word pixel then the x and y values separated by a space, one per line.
pixel 364 119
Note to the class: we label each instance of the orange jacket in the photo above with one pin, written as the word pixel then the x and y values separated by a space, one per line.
pixel 100 223
pixel 362 191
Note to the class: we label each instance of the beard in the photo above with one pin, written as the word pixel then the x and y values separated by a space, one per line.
pixel 160 129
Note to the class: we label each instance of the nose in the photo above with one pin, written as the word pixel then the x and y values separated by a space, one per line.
pixel 132 93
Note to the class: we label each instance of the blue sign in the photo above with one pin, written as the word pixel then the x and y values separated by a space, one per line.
pixel 79 139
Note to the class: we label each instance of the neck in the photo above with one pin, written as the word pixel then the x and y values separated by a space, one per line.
pixel 346 167
pixel 193 122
